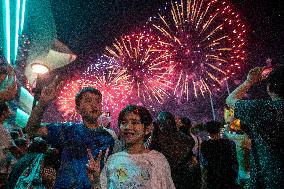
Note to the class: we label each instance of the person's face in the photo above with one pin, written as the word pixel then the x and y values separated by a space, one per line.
pixel 132 130
pixel 90 107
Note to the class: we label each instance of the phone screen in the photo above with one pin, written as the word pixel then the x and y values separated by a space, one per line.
pixel 266 72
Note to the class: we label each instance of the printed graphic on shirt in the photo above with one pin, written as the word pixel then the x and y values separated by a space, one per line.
pixel 129 175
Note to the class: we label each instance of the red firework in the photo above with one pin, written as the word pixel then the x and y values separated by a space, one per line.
pixel 207 38
pixel 103 76
pixel 146 61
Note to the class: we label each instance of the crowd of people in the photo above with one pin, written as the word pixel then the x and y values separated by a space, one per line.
pixel 163 153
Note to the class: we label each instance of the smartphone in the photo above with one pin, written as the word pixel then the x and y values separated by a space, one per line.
pixel 266 72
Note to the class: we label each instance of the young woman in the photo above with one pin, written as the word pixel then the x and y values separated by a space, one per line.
pixel 137 166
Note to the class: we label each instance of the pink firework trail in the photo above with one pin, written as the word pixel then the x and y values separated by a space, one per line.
pixel 208 44
pixel 146 60
pixel 102 74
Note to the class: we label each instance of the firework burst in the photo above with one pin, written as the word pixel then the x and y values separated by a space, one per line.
pixel 146 61
pixel 104 75
pixel 207 39
pixel 111 80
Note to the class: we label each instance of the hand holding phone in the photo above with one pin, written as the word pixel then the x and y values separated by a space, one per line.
pixel 266 72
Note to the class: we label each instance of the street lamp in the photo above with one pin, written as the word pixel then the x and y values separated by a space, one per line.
pixel 39 68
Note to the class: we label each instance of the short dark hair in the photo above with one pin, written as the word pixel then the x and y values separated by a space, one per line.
pixel 3 107
pixel 86 90
pixel 167 121
pixel 21 142
pixel 38 146
pixel 213 127
pixel 142 112
pixel 275 81
pixel 186 125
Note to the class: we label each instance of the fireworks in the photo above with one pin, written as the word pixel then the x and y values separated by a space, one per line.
pixel 104 75
pixel 207 39
pixel 111 80
pixel 146 61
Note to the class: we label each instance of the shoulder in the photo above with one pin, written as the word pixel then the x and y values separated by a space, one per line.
pixel 111 132
pixel 157 156
pixel 114 157
pixel 241 103
pixel 66 125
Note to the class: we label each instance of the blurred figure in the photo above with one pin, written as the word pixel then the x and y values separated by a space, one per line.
pixel 8 148
pixel 36 169
pixel 176 146
pixel 185 127
pixel 219 159
pixel 243 146
pixel 8 80
pixel 263 122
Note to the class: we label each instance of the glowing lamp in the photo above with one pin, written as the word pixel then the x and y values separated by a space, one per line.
pixel 39 68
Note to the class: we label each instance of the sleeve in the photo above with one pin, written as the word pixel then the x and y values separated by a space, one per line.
pixel 163 176
pixel 248 111
pixel 103 177
pixel 234 157
pixel 56 134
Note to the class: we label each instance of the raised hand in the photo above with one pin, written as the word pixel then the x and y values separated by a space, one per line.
pixel 255 75
pixel 50 92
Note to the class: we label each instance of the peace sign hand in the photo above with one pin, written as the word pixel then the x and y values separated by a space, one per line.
pixel 93 166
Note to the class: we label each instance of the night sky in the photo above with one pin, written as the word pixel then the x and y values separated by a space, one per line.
pixel 88 26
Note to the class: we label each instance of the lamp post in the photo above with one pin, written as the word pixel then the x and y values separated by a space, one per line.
pixel 39 68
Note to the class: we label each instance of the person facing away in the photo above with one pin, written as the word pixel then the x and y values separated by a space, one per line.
pixel 219 158
pixel 262 120
pixel 73 138
pixel 185 127
pixel 136 166
pixel 175 146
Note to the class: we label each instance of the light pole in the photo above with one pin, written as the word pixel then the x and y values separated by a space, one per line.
pixel 39 68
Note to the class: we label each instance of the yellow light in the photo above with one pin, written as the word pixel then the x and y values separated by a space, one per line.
pixel 39 68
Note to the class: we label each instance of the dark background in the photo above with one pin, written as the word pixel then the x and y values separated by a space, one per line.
pixel 88 26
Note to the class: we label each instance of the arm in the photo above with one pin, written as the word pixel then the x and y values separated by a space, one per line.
pixel 10 91
pixel 34 123
pixel 253 77
pixel 48 95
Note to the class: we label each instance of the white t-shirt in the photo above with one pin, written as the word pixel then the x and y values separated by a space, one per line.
pixel 6 142
pixel 137 171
